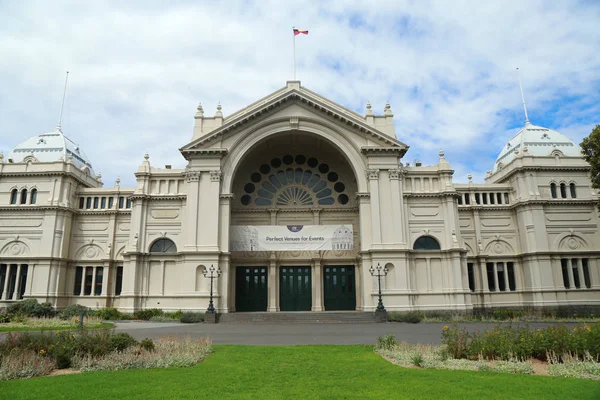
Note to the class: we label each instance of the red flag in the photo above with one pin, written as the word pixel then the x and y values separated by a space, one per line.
pixel 300 31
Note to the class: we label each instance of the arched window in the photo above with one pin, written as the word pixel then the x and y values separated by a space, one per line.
pixel 426 243
pixel 573 192
pixel 33 196
pixel 13 196
pixel 563 191
pixel 163 246
pixel 553 190
pixel 24 196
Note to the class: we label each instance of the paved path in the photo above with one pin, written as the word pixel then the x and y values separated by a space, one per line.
pixel 297 333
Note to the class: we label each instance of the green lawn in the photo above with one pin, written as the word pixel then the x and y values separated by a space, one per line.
pixel 300 372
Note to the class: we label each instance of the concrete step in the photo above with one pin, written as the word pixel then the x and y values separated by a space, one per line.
pixel 302 317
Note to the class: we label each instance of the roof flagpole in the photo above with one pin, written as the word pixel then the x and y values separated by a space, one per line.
pixel 63 101
pixel 523 97
pixel 294 39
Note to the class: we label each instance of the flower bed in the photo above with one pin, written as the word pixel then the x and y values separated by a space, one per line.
pixel 26 355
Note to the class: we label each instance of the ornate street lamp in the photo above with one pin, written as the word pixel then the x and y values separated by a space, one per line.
pixel 211 274
pixel 379 272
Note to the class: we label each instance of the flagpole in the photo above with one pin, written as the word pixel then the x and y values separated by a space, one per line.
pixel 294 39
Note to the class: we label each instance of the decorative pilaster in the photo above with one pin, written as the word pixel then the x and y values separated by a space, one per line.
pixel 192 179
pixel 317 286
pixel 373 177
pixel 395 176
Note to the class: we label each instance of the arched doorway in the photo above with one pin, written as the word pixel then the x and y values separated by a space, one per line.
pixel 293 181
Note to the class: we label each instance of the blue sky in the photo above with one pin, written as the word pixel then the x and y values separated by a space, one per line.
pixel 138 71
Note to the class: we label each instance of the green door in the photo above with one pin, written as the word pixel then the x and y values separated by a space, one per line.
pixel 339 288
pixel 295 289
pixel 251 289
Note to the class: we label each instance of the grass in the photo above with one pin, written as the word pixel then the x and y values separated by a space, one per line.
pixel 297 372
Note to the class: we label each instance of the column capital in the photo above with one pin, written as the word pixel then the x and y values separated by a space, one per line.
pixel 192 176
pixel 372 174
pixel 215 175
pixel 395 173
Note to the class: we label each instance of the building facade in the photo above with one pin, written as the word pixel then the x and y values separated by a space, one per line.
pixel 294 160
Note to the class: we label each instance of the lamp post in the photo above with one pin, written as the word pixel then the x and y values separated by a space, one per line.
pixel 379 272
pixel 211 274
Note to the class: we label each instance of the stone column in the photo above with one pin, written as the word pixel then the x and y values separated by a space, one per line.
pixel 580 273
pixel 105 277
pixel 272 287
pixel 570 272
pixel 397 204
pixel 484 278
pixel 496 288
pixel 6 280
pixel 373 176
pixel 15 295
pixel 93 293
pixel 506 283
pixel 317 286
pixel 191 209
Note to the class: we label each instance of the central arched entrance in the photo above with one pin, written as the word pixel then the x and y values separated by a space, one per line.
pixel 292 181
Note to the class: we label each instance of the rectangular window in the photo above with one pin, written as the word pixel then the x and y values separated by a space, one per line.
pixel 3 274
pixel 89 278
pixel 492 199
pixel 128 203
pixel 506 198
pixel 110 202
pixel 471 275
pixel 467 199
pixel 576 282
pixel 565 272
pixel 103 202
pixel 119 281
pixel 459 200
pixel 81 203
pixel 78 279
pixel 477 198
pixel 121 201
pixel 586 273
pixel 95 202
pixel 484 195
pixel 511 276
pixel 501 281
pixel 490 275
pixel 98 288
pixel 88 203
pixel 499 198
pixel 22 281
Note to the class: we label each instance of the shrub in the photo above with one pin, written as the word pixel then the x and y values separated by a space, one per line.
pixel 147 314
pixel 410 317
pixel 417 359
pixel 109 313
pixel 121 341
pixel 4 317
pixel 75 310
pixel 25 364
pixel 31 308
pixel 386 342
pixel 191 317
pixel 147 344
pixel 506 314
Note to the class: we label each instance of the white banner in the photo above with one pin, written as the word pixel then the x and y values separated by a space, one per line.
pixel 291 237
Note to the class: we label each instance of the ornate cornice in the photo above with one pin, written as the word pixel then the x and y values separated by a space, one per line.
pixel 380 151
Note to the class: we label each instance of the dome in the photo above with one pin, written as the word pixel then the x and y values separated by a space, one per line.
pixel 539 141
pixel 49 147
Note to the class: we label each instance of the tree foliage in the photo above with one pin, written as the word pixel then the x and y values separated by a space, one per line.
pixel 590 147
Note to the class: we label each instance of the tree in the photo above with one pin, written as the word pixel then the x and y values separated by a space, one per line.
pixel 590 147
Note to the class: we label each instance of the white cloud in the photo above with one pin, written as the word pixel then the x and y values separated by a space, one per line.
pixel 139 69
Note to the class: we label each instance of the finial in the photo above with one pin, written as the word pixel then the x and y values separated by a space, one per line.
pixel 99 177
pixel 146 156
pixel 200 112
pixel 523 98
pixel 219 107
pixel 1 156
pixel 368 105
pixel 219 114
pixel 525 150
pixel 441 153
pixel 58 128
pixel 117 182
pixel 488 172
pixel 388 109
pixel 470 178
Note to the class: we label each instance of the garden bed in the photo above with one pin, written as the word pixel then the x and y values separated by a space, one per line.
pixel 555 350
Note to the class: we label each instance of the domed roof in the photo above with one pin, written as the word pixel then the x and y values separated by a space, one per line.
pixel 539 141
pixel 49 147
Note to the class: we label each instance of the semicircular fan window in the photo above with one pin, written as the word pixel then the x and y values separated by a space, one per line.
pixel 292 182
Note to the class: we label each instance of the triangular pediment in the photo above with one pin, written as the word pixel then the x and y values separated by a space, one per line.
pixel 282 102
